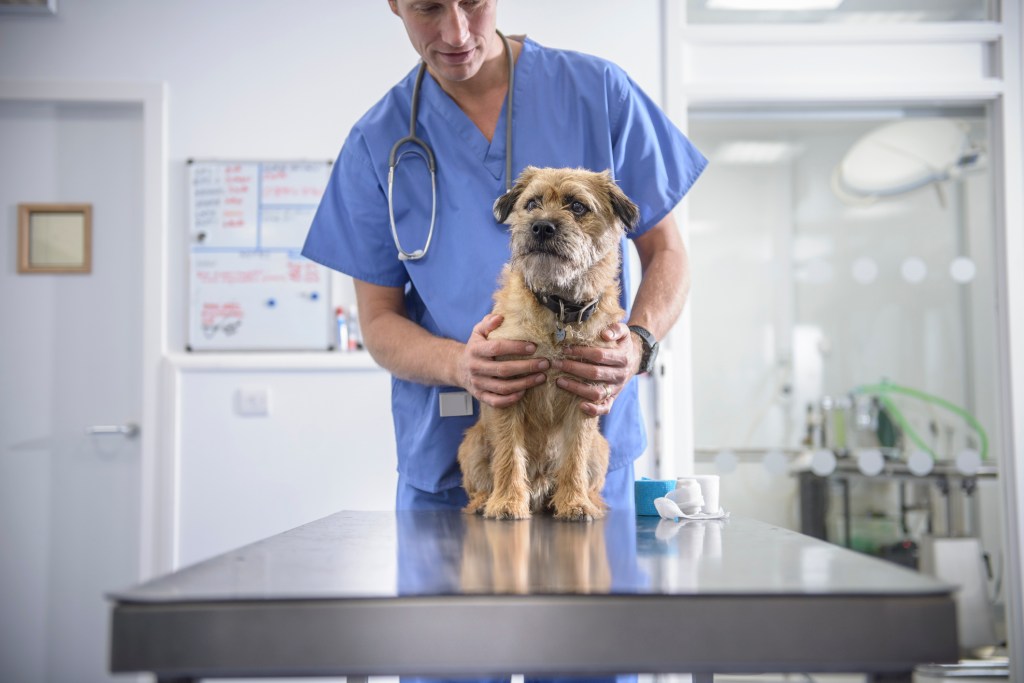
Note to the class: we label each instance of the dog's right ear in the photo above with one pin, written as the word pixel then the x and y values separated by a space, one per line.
pixel 504 204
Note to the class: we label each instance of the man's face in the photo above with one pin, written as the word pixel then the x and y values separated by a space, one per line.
pixel 453 37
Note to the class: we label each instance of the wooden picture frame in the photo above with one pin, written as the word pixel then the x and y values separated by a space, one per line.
pixel 28 6
pixel 54 238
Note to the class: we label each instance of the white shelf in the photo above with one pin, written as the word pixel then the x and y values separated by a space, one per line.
pixel 250 360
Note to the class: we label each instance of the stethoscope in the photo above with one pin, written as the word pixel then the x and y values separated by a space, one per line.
pixel 428 156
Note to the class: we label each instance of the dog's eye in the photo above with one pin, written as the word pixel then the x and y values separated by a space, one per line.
pixel 531 205
pixel 578 208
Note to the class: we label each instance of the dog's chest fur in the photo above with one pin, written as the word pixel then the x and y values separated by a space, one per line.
pixel 527 320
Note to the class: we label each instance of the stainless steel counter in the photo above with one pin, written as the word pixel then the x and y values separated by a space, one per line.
pixel 445 594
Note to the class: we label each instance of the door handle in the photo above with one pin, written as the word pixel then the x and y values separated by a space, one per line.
pixel 128 430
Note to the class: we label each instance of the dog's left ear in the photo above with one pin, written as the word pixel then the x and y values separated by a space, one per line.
pixel 623 208
pixel 504 204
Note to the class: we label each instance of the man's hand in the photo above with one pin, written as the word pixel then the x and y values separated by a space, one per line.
pixel 485 374
pixel 599 374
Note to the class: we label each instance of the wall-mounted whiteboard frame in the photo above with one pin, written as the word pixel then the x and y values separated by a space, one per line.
pixel 250 289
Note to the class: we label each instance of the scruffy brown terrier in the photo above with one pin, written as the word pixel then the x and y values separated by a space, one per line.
pixel 559 289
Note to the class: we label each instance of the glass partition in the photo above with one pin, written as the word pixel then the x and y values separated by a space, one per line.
pixel 844 306
pixel 836 250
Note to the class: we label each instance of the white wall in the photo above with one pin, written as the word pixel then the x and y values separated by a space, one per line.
pixel 272 79
pixel 266 79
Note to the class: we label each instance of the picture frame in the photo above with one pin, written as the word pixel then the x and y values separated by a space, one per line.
pixel 54 238
pixel 28 6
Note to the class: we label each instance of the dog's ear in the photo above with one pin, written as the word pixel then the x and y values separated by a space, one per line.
pixel 623 208
pixel 504 204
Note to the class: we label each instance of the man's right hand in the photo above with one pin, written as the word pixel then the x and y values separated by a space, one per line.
pixel 498 383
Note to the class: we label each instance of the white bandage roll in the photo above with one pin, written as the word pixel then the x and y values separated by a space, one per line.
pixel 708 484
pixel 687 495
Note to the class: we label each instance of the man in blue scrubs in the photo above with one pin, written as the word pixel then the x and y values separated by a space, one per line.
pixel 426 320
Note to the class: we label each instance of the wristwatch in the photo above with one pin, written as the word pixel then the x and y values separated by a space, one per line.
pixel 650 348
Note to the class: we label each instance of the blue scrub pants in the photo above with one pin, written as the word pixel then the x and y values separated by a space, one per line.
pixel 617 492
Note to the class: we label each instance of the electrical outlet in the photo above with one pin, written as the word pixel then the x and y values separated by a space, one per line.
pixel 252 402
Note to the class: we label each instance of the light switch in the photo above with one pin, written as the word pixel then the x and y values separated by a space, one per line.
pixel 252 402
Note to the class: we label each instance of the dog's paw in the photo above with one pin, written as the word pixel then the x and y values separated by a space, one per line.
pixel 584 511
pixel 476 503
pixel 506 510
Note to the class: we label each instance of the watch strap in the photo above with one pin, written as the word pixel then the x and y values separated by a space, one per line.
pixel 650 345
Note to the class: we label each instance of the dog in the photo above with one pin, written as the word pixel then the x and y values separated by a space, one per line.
pixel 560 288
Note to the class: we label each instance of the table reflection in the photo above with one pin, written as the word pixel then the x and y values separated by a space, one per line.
pixel 682 551
pixel 449 553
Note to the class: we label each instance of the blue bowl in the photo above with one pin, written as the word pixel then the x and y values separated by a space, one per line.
pixel 646 490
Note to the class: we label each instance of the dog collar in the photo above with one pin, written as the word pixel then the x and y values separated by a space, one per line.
pixel 568 312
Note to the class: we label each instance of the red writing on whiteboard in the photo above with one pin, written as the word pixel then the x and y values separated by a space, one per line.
pixel 221 317
pixel 292 192
pixel 229 277
pixel 232 218
pixel 212 311
pixel 303 272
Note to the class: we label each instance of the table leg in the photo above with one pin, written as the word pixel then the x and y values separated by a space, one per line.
pixel 356 679
pixel 703 678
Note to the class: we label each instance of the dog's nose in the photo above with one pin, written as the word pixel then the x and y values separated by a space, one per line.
pixel 543 229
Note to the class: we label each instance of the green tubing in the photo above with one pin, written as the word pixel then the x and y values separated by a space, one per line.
pixel 883 390
pixel 897 415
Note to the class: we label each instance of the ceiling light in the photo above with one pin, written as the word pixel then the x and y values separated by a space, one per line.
pixel 754 152
pixel 884 17
pixel 784 5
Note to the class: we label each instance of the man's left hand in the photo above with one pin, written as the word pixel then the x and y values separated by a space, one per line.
pixel 598 374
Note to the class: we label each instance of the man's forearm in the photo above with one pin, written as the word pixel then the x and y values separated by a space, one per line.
pixel 665 284
pixel 410 352
pixel 399 345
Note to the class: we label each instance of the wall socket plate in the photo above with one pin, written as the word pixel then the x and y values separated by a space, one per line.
pixel 252 402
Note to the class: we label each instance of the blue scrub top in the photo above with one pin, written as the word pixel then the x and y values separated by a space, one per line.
pixel 570 110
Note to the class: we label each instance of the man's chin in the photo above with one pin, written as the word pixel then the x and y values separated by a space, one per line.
pixel 454 73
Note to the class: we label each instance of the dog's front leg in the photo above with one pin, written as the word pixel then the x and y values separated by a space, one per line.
pixel 583 449
pixel 510 497
pixel 474 458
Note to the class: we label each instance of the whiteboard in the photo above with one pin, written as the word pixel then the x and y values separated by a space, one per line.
pixel 250 288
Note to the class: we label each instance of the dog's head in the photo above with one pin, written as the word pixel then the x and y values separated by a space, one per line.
pixel 565 223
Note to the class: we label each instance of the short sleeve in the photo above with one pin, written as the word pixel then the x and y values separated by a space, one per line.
pixel 655 164
pixel 350 232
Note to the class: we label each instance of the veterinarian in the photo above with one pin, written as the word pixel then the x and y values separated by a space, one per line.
pixel 425 250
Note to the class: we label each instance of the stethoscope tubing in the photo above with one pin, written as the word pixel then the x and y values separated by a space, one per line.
pixel 394 157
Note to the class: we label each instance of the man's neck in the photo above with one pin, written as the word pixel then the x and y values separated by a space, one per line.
pixel 481 97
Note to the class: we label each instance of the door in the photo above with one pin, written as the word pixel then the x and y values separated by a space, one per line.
pixel 70 360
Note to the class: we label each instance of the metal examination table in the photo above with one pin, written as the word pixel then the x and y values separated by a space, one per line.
pixel 446 594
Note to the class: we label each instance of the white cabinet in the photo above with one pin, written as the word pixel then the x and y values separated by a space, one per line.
pixel 267 443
